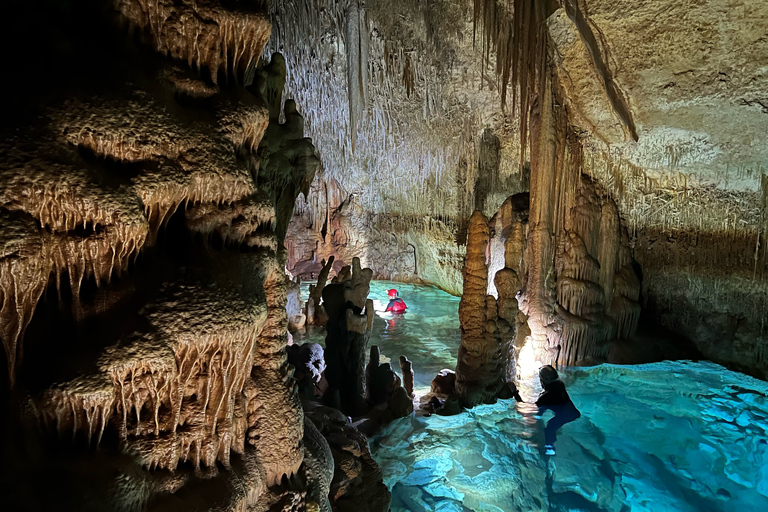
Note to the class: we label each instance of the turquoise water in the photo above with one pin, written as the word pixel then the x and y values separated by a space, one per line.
pixel 672 436
pixel 427 333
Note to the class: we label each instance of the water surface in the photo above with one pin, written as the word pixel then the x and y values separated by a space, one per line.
pixel 671 436
pixel 427 333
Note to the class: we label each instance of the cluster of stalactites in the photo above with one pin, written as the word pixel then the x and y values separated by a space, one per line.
pixel 169 407
pixel 32 255
pixel 202 33
pixel 597 289
pixel 519 41
pixel 249 222
pixel 92 230
pixel 387 107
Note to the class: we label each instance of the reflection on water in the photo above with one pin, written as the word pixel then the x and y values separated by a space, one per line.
pixel 427 333
pixel 673 436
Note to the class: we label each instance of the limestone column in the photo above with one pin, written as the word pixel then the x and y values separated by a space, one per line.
pixel 479 367
pixel 541 237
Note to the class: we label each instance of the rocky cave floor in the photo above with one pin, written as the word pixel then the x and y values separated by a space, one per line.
pixel 683 436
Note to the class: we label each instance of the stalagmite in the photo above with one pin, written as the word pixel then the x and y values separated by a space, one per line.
pixel 480 368
pixel 314 313
pixel 406 369
pixel 350 319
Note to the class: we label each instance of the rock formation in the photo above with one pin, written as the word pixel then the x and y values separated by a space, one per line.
pixel 479 370
pixel 155 184
pixel 350 317
pixel 579 289
pixel 668 119
pixel 143 293
pixel 357 479
pixel 406 370
pixel 314 310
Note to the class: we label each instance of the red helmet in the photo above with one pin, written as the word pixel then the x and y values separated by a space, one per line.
pixel 392 293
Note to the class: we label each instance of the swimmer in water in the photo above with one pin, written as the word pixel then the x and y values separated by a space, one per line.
pixel 396 304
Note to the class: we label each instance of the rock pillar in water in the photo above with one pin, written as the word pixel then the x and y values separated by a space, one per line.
pixel 406 369
pixel 479 369
pixel 350 318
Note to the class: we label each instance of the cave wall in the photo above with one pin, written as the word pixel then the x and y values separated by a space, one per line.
pixel 690 182
pixel 667 101
pixel 144 202
pixel 408 125
pixel 329 222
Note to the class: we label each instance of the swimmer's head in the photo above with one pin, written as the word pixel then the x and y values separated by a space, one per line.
pixel 548 375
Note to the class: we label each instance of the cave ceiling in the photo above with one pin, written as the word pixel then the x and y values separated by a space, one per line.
pixel 687 80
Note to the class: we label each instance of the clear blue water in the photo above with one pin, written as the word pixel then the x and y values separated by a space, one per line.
pixel 672 436
pixel 427 333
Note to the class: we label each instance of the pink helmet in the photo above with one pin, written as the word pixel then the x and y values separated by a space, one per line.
pixel 392 293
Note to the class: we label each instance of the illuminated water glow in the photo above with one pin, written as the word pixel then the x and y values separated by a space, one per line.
pixel 427 333
pixel 667 436
pixel 673 436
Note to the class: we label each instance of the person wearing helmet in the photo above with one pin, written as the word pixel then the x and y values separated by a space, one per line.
pixel 554 397
pixel 396 304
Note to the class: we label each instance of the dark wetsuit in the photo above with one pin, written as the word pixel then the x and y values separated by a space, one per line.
pixel 555 398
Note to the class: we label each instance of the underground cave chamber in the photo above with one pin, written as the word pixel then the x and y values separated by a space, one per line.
pixel 204 207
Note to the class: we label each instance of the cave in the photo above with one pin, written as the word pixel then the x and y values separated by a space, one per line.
pixel 348 255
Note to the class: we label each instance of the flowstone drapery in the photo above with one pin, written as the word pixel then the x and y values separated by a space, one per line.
pixel 147 206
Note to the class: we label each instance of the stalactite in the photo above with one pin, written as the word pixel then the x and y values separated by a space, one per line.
pixel 23 276
pixel 608 248
pixel 200 33
pixel 161 379
pixel 357 65
pixel 519 39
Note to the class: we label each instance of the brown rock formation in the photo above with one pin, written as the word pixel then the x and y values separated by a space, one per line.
pixel 406 370
pixel 205 34
pixel 160 357
pixel 670 121
pixel 357 481
pixel 479 371
pixel 350 317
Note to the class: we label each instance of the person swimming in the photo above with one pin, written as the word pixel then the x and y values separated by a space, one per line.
pixel 554 397
pixel 396 304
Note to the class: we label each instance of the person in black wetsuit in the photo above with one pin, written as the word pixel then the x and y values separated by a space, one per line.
pixel 555 398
